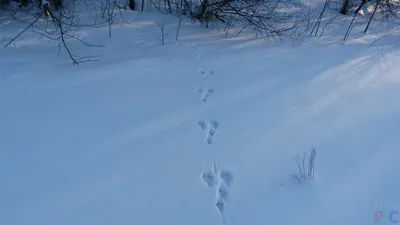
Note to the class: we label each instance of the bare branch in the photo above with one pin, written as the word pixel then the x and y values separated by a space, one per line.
pixel 24 30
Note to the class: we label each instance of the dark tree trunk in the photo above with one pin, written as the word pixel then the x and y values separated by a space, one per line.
pixel 372 16
pixel 132 4
pixel 360 7
pixel 345 8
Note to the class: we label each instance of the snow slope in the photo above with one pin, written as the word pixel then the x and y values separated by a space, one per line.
pixel 119 141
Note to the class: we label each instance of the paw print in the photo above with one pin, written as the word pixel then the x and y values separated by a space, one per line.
pixel 206 73
pixel 221 179
pixel 210 127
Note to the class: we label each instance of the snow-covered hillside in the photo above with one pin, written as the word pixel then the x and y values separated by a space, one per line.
pixel 159 134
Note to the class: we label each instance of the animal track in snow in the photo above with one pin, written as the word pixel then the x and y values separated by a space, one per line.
pixel 211 131
pixel 220 205
pixel 222 180
pixel 202 124
pixel 204 93
pixel 206 73
pixel 226 177
pixel 222 192
pixel 209 178
pixel 209 135
pixel 214 124
pixel 210 127
pixel 209 140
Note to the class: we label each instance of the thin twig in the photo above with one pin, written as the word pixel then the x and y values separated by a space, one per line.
pixel 23 31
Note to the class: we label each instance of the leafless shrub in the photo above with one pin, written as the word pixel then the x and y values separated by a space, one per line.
pixel 58 20
pixel 268 17
pixel 228 27
pixel 161 25
pixel 384 8
pixel 318 22
pixel 180 15
pixel 305 172
pixel 107 12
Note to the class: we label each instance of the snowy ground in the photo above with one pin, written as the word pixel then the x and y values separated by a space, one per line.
pixel 119 141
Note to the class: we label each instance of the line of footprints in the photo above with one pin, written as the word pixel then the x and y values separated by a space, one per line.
pixel 205 92
pixel 221 180
pixel 209 126
pixel 217 178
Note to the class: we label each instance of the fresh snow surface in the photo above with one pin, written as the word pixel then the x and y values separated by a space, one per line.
pixel 158 135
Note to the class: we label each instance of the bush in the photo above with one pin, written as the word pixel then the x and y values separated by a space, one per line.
pixel 305 172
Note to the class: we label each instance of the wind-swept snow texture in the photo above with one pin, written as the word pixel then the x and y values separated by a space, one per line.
pixel 200 131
